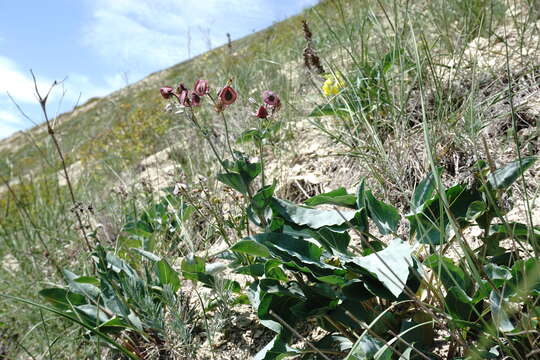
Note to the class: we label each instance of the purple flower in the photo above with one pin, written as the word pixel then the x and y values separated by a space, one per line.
pixel 184 98
pixel 195 99
pixel 262 113
pixel 166 91
pixel 227 95
pixel 201 87
pixel 270 98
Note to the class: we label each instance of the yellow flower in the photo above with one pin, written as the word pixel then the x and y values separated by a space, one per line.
pixel 332 85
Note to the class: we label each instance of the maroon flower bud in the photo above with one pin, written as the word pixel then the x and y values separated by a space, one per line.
pixel 195 99
pixel 201 87
pixel 166 91
pixel 227 95
pixel 270 98
pixel 262 113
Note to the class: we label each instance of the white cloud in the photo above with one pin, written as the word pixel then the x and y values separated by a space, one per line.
pixel 147 35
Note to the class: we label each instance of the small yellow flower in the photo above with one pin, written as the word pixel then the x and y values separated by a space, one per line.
pixel 332 85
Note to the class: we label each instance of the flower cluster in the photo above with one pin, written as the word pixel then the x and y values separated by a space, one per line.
pixel 332 85
pixel 271 102
pixel 188 98
pixel 225 96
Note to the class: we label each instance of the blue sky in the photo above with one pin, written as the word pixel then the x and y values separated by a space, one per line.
pixel 102 45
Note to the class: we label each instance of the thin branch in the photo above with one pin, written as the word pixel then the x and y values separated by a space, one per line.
pixel 50 130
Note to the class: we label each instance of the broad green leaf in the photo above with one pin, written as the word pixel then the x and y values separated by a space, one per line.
pixel 167 275
pixel 422 193
pixel 118 265
pixel 235 181
pixel 449 274
pixel 499 313
pixel 191 266
pixel 366 348
pixel 87 290
pixel 255 270
pixel 507 175
pixel 328 109
pixel 476 209
pixel 273 270
pixel 331 342
pixel 332 279
pixel 313 218
pixel 337 197
pixel 262 198
pixel 62 299
pixel 276 349
pixel 147 254
pixel 385 216
pixel 251 247
pixel 333 241
pixel 526 277
pixel 294 251
pixel 513 230
pixel 497 274
pixel 94 315
pixel 249 135
pixel 390 266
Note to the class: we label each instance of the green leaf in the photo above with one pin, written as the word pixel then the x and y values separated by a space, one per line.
pixel 385 216
pixel 276 349
pixel 92 314
pixel 475 210
pixel 146 254
pixel 366 347
pixel 263 196
pixel 249 135
pixel 167 275
pixel 331 342
pixel 87 290
pixel 332 279
pixel 235 181
pixel 305 255
pixel 337 197
pixel 327 109
pixel 422 193
pixel 313 218
pixel 273 270
pixel 507 175
pixel 118 265
pixel 390 266
pixel 251 247
pixel 514 230
pixel 498 312
pixel 449 274
pixel 191 266
pixel 62 299
pixel 333 241
pixel 255 270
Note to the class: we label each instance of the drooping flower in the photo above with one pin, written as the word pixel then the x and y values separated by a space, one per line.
pixel 195 99
pixel 201 87
pixel 166 91
pixel 261 113
pixel 227 95
pixel 270 98
pixel 183 98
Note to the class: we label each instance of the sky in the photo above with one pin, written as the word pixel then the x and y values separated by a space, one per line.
pixel 99 46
